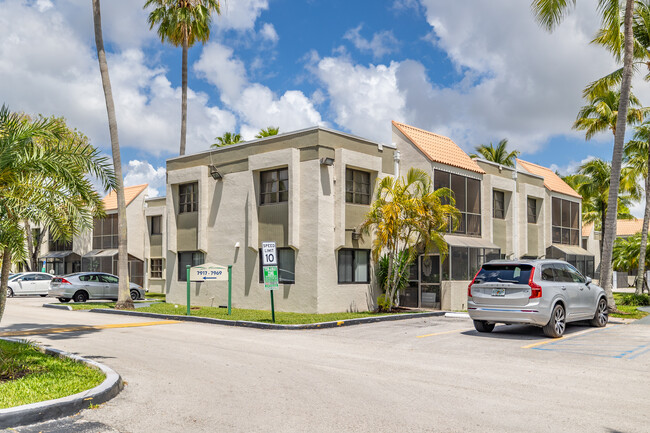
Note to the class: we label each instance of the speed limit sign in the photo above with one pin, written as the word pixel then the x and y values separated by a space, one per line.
pixel 269 254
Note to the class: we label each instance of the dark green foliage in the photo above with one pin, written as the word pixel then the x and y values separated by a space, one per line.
pixel 635 300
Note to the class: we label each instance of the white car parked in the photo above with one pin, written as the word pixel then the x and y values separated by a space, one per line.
pixel 29 283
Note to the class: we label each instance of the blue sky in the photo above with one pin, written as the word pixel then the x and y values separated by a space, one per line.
pixel 475 71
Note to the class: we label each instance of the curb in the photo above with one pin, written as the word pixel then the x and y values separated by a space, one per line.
pixel 457 315
pixel 259 325
pixel 58 307
pixel 64 406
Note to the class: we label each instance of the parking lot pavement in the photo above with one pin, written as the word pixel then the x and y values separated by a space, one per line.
pixel 434 374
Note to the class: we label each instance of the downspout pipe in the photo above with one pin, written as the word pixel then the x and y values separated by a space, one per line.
pixel 515 218
pixel 396 159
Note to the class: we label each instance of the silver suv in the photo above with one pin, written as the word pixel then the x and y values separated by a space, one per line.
pixel 546 293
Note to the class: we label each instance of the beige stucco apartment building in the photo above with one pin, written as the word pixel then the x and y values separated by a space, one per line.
pixel 510 213
pixel 307 191
pixel 96 249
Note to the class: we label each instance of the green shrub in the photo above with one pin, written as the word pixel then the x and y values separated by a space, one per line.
pixel 635 300
pixel 383 305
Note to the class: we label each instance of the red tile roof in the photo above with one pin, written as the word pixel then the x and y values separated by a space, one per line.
pixel 438 148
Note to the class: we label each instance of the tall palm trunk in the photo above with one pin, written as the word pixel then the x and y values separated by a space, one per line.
pixel 184 98
pixel 640 276
pixel 4 278
pixel 31 265
pixel 123 297
pixel 617 156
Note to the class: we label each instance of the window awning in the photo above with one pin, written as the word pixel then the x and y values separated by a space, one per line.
pixel 465 241
pixel 571 250
pixel 56 255
pixel 101 253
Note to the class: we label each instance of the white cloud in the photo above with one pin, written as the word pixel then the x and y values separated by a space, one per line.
pixel 572 167
pixel 268 32
pixel 256 105
pixel 406 4
pixel 239 14
pixel 382 43
pixel 47 68
pixel 519 81
pixel 363 99
pixel 141 172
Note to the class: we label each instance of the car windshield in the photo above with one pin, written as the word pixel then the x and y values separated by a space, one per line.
pixel 497 273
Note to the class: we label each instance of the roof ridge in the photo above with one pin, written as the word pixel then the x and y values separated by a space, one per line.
pixel 398 124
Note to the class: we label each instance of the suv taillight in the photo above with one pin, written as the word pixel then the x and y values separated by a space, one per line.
pixel 535 289
pixel 469 288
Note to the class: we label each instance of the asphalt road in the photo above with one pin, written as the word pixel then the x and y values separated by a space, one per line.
pixel 422 375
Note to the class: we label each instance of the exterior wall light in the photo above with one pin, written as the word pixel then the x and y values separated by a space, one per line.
pixel 327 161
pixel 214 173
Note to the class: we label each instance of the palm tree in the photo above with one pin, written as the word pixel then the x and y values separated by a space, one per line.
pixel 595 193
pixel 407 213
pixel 271 130
pixel 637 153
pixel 601 113
pixel 549 13
pixel 629 254
pixel 227 139
pixel 124 300
pixel 500 154
pixel 182 23
pixel 44 179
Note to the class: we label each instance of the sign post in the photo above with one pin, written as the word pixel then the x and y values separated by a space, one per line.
pixel 270 264
pixel 188 290
pixel 210 272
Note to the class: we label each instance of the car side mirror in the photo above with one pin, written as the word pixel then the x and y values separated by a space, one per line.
pixel 587 280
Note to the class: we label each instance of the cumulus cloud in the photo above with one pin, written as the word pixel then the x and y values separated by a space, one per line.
pixel 48 68
pixel 141 172
pixel 256 105
pixel 572 167
pixel 363 99
pixel 240 14
pixel 268 32
pixel 382 43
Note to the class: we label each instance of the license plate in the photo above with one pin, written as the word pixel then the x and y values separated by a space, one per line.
pixel 498 292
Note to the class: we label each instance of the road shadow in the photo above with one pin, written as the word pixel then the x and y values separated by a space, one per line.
pixel 27 331
pixel 523 332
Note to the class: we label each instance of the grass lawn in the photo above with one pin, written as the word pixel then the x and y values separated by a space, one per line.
pixel 155 296
pixel 238 314
pixel 631 312
pixel 29 376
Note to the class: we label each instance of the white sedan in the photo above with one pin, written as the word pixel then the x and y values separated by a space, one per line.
pixel 29 283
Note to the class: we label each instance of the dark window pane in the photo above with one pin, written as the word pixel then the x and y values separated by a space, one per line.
pixel 430 269
pixel 440 179
pixel 458 188
pixel 345 266
pixel 493 273
pixel 156 225
pixel 462 223
pixel 286 265
pixel 575 237
pixel 575 216
pixel 459 263
pixel 532 210
pixel 557 235
pixel 357 186
pixel 473 196
pixel 566 213
pixel 547 273
pixel 566 236
pixel 474 225
pixel 499 204
pixel 557 211
pixel 274 186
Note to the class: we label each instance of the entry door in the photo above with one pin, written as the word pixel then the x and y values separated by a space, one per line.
pixel 430 281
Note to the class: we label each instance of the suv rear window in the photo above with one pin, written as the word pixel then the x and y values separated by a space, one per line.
pixel 516 274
